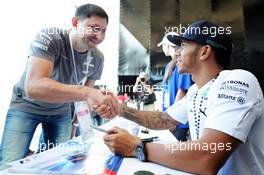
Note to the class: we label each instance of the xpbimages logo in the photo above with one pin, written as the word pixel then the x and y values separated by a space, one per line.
pixel 83 31
pixel 196 146
pixel 213 31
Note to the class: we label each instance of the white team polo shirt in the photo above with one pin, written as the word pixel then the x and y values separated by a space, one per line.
pixel 233 104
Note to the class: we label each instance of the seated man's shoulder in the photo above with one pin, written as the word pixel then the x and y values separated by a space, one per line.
pixel 239 84
pixel 241 71
pixel 238 77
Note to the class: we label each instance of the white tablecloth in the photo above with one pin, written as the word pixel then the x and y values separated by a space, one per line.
pixel 129 165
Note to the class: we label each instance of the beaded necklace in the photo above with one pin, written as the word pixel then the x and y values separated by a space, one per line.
pixel 197 111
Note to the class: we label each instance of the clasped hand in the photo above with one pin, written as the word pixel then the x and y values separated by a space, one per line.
pixel 108 106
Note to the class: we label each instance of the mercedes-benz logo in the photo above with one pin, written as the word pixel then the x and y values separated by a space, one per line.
pixel 241 100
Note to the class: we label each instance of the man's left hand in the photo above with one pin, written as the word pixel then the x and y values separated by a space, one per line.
pixel 121 142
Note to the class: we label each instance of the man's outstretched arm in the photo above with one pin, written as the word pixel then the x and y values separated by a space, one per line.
pixel 204 156
pixel 40 86
pixel 148 119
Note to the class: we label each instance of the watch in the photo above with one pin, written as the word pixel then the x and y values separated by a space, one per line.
pixel 140 151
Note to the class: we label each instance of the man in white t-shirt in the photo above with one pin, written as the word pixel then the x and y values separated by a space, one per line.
pixel 225 110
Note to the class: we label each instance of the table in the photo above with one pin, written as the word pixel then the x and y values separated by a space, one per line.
pixel 129 165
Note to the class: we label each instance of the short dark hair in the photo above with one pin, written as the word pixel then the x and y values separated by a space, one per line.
pixel 89 10
pixel 223 59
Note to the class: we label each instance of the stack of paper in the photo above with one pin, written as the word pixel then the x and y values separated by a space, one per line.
pixel 70 158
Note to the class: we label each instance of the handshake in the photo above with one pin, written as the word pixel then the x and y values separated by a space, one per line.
pixel 118 140
pixel 105 103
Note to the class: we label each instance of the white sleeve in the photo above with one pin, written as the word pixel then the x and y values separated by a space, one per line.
pixel 234 105
pixel 178 110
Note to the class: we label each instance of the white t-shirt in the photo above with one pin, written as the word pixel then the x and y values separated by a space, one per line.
pixel 232 103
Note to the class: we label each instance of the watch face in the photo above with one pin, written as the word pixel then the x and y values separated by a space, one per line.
pixel 140 152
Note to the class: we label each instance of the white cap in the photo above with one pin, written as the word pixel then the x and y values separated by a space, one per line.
pixel 165 40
